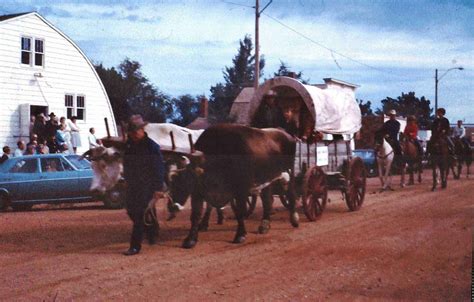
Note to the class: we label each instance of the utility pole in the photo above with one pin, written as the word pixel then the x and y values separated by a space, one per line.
pixel 436 90
pixel 257 56
pixel 257 44
pixel 437 79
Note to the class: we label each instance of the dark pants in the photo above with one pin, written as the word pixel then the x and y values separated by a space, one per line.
pixel 139 227
pixel 138 198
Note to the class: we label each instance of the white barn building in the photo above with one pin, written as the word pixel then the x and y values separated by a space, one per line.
pixel 43 71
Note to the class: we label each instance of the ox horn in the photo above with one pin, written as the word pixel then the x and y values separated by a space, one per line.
pixel 86 155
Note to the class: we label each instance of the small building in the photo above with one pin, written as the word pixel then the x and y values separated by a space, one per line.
pixel 240 106
pixel 42 71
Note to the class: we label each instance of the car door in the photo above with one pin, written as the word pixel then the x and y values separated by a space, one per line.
pixel 84 175
pixel 58 179
pixel 24 178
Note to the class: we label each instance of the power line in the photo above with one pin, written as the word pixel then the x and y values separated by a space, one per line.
pixel 238 4
pixel 332 51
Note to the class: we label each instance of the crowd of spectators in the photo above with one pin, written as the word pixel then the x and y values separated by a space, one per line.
pixel 48 134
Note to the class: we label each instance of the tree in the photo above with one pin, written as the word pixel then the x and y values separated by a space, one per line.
pixel 186 109
pixel 408 104
pixel 112 81
pixel 285 70
pixel 240 75
pixel 131 92
pixel 365 108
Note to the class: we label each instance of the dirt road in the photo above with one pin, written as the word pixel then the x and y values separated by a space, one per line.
pixel 407 244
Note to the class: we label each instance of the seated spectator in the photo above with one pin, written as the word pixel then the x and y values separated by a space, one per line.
pixel 42 148
pixel 30 149
pixel 20 150
pixel 6 154
pixel 52 145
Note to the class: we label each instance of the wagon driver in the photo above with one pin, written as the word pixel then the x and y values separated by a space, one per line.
pixel 144 174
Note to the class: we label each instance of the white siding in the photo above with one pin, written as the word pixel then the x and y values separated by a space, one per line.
pixel 66 70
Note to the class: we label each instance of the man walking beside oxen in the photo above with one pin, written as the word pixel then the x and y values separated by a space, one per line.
pixel 144 174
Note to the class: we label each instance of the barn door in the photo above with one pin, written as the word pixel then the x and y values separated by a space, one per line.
pixel 24 121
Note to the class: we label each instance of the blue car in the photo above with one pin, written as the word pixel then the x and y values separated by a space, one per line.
pixel 49 178
pixel 369 158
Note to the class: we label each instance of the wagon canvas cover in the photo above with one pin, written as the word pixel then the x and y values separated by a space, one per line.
pixel 334 108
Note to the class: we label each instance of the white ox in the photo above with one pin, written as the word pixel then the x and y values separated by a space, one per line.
pixel 107 162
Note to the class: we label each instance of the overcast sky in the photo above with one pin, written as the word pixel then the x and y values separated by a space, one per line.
pixel 386 47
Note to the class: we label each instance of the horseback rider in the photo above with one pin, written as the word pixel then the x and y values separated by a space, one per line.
pixel 391 128
pixel 459 132
pixel 441 129
pixel 411 131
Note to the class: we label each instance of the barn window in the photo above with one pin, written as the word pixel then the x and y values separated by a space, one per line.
pixel 69 103
pixel 80 107
pixel 26 50
pixel 75 106
pixel 39 52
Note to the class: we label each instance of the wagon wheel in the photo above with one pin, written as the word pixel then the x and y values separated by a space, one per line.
pixel 355 184
pixel 251 204
pixel 315 194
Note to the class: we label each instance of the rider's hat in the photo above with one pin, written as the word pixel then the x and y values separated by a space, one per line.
pixel 392 112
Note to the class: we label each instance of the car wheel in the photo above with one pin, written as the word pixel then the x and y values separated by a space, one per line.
pixel 4 201
pixel 114 199
pixel 21 207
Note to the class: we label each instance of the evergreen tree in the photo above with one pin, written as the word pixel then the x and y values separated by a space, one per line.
pixel 285 70
pixel 240 75
pixel 186 109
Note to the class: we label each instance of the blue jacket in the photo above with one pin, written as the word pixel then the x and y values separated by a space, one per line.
pixel 143 169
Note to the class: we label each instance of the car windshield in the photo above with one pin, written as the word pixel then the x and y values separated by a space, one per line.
pixel 79 162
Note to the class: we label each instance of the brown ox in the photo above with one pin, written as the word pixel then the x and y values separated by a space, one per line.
pixel 237 161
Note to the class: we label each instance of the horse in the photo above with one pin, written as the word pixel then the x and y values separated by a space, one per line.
pixel 463 153
pixel 385 156
pixel 412 158
pixel 440 158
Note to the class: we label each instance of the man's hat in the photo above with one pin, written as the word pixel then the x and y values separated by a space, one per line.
pixel 392 112
pixel 52 114
pixel 136 122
